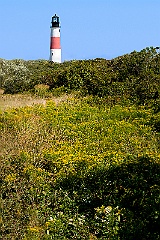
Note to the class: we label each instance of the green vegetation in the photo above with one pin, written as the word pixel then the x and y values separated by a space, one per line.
pixel 86 168
pixel 134 76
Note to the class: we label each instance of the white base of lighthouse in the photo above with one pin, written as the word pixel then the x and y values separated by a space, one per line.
pixel 55 55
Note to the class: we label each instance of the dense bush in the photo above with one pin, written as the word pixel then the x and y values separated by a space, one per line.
pixel 133 76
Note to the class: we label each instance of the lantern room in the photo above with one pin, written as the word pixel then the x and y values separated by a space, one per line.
pixel 55 21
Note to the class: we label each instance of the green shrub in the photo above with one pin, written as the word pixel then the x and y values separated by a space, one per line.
pixel 41 90
pixel 134 76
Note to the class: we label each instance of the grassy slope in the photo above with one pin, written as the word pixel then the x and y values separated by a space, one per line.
pixel 77 159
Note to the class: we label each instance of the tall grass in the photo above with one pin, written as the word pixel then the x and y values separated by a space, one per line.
pixel 83 169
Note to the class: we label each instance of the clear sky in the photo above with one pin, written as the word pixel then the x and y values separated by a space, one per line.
pixel 89 28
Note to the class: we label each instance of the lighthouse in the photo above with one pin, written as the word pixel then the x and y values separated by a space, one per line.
pixel 55 45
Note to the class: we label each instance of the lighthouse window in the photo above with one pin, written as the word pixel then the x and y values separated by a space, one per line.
pixel 54 19
pixel 52 54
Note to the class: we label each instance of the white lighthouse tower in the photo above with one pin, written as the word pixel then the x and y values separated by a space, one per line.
pixel 55 45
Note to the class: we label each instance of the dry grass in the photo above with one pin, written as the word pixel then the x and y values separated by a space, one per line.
pixel 27 138
pixel 1 91
pixel 21 100
pixel 18 100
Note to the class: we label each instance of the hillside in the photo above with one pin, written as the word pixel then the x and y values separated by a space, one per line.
pixel 134 76
pixel 86 167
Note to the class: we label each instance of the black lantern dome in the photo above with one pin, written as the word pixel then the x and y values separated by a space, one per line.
pixel 55 21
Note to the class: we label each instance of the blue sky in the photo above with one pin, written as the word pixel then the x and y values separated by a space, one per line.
pixel 89 28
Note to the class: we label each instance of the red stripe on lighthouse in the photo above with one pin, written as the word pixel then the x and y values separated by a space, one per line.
pixel 55 43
